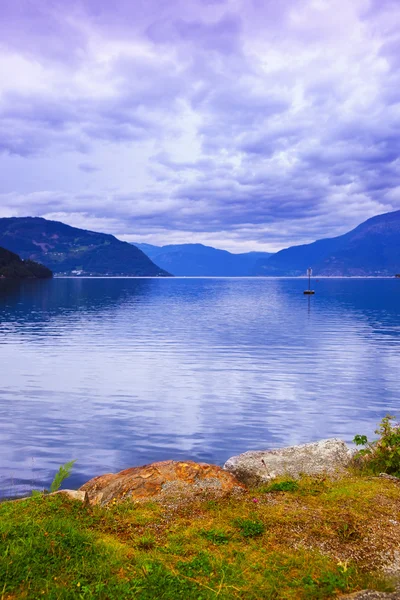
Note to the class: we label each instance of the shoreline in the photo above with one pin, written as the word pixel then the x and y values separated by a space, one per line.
pixel 299 523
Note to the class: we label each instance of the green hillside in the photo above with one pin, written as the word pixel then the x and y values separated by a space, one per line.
pixel 13 267
pixel 68 250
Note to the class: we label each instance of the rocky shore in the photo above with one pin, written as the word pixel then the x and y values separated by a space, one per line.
pixel 301 499
pixel 183 481
pixel 172 479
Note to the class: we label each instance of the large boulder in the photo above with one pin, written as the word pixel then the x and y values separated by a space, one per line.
pixel 256 467
pixel 167 479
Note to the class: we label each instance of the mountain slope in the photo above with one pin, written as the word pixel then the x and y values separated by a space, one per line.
pixel 65 249
pixel 197 260
pixel 372 248
pixel 13 267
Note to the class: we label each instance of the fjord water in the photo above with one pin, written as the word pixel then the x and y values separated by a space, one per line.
pixel 123 372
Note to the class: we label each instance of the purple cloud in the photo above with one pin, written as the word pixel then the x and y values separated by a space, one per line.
pixel 88 168
pixel 252 124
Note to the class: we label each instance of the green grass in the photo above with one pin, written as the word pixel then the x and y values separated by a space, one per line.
pixel 309 542
pixel 249 527
pixel 287 485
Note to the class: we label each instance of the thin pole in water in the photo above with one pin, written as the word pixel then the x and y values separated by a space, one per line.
pixel 309 273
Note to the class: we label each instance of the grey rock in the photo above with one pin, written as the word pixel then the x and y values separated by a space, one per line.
pixel 256 467
pixel 372 595
pixel 390 477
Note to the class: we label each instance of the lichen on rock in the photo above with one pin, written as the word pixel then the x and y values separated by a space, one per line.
pixel 164 479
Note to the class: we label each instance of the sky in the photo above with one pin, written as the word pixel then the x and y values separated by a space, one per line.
pixel 243 124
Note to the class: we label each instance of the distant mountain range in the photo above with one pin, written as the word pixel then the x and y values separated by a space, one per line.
pixel 197 260
pixel 68 250
pixel 13 267
pixel 372 249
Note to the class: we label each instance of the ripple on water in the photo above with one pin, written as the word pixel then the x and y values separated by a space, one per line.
pixel 119 372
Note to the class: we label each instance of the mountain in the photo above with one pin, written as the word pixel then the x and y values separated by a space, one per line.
pixel 13 267
pixel 66 250
pixel 199 260
pixel 372 249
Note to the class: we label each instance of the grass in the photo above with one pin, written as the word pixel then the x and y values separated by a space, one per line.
pixel 286 485
pixel 318 539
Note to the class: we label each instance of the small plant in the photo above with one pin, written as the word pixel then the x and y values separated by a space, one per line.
pixel 381 455
pixel 347 530
pixel 63 472
pixel 215 536
pixel 199 565
pixel 289 485
pixel 146 542
pixel 249 528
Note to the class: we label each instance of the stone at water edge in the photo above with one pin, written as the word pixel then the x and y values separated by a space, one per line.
pixel 256 467
pixel 72 495
pixel 166 479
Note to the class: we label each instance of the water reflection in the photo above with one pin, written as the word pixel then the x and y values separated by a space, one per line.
pixel 117 372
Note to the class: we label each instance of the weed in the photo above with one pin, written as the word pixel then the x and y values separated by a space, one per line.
pixel 146 542
pixel 313 486
pixel 347 530
pixel 328 582
pixel 63 472
pixel 160 582
pixel 199 565
pixel 176 547
pixel 215 536
pixel 381 455
pixel 288 485
pixel 249 528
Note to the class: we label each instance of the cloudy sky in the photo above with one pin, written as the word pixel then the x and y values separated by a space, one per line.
pixel 245 124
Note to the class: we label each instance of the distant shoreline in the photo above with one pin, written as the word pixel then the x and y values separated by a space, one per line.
pixel 257 277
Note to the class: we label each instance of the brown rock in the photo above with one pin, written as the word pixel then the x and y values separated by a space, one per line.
pixel 167 479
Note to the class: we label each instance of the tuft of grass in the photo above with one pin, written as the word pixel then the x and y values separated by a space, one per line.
pixel 216 536
pixel 249 527
pixel 348 530
pixel 146 542
pixel 201 564
pixel 288 485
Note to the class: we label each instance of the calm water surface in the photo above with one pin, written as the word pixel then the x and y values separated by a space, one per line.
pixel 122 372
